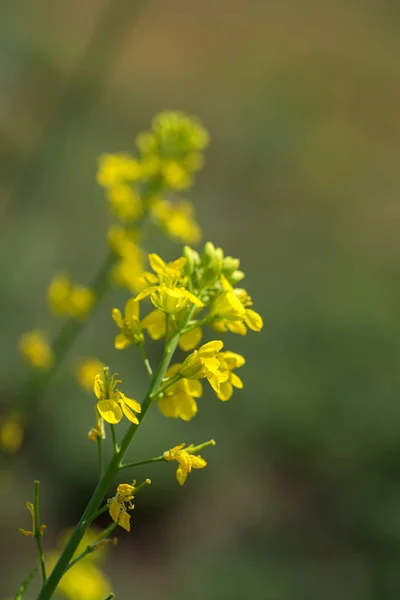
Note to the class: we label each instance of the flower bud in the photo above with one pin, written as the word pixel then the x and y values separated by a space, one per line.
pixel 192 260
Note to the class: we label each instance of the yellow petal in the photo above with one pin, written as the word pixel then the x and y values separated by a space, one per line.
pixel 124 520
pixel 193 299
pixel 133 404
pixel 157 263
pixel 144 293
pixel 181 476
pixel 237 327
pixel 98 387
pixel 236 381
pixel 195 388
pixel 253 320
pixel 110 411
pixel 198 462
pixel 191 339
pixel 211 348
pixel 128 413
pixel 225 284
pixel 233 360
pixel 115 510
pixel 117 316
pixel 121 341
pixel 154 322
pixel 225 392
pixel 132 311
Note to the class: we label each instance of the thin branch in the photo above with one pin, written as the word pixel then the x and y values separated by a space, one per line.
pixel 37 532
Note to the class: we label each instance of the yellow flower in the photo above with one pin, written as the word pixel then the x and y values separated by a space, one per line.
pixel 11 432
pixel 185 460
pixel 169 295
pixel 86 371
pixel 230 361
pixel 125 203
pixel 204 363
pixel 117 509
pixel 230 311
pixel 175 175
pixel 66 298
pixel 178 401
pixel 177 220
pixel 113 404
pixel 36 350
pixel 131 329
pixel 117 168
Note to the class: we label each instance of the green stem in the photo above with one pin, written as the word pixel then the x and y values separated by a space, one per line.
pixel 114 438
pixel 108 477
pixel 170 382
pixel 100 453
pixel 36 531
pixel 146 360
pixel 92 547
pixel 110 596
pixel 141 462
pixel 101 510
pixel 24 585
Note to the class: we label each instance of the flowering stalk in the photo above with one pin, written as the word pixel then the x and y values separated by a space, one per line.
pixel 113 468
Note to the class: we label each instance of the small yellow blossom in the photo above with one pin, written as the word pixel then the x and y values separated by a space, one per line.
pixel 11 432
pixel 35 348
pixel 230 311
pixel 230 361
pixel 131 329
pixel 185 460
pixel 177 220
pixel 125 203
pixel 86 370
pixel 178 401
pixel 169 295
pixel 113 404
pixel 67 298
pixel 117 168
pixel 117 508
pixel 204 363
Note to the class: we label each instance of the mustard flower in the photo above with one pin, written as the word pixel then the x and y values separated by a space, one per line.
pixel 177 220
pixel 118 505
pixel 35 348
pixel 131 329
pixel 186 461
pixel 114 169
pixel 113 404
pixel 204 363
pixel 155 324
pixel 169 295
pixel 86 370
pixel 230 311
pixel 178 401
pixel 230 361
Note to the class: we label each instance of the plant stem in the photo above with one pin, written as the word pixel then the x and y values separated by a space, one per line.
pixel 141 462
pixel 146 360
pixel 24 585
pixel 114 438
pixel 110 596
pixel 92 547
pixel 170 382
pixel 100 453
pixel 101 510
pixel 112 469
pixel 36 531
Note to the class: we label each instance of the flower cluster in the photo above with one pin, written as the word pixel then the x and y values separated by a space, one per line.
pixel 36 350
pixel 186 460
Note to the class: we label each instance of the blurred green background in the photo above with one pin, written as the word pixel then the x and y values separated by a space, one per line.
pixel 301 497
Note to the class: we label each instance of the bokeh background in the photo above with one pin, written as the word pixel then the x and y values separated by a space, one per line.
pixel 301 497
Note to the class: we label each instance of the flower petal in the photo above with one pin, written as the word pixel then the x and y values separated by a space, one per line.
pixel 133 404
pixel 197 462
pixel 121 341
pixel 130 415
pixel 110 411
pixel 225 392
pixel 117 316
pixel 191 339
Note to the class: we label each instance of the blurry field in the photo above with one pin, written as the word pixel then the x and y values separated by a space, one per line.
pixel 301 497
